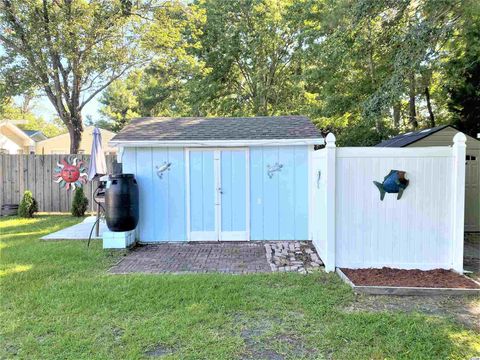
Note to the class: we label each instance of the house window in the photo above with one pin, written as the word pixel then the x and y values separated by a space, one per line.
pixel 3 152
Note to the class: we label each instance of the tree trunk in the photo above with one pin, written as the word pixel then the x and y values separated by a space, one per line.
pixel 429 107
pixel 396 115
pixel 75 130
pixel 371 68
pixel 411 104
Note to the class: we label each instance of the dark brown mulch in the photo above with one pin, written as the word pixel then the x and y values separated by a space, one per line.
pixel 438 278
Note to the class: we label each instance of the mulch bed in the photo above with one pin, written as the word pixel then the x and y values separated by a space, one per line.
pixel 438 278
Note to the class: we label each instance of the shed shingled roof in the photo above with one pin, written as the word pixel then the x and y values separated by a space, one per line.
pixel 403 140
pixel 230 128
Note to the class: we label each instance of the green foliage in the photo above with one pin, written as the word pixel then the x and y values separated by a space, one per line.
pixel 12 111
pixel 363 69
pixel 163 88
pixel 69 50
pixel 253 55
pixel 120 102
pixel 360 69
pixel 28 205
pixel 463 73
pixel 79 203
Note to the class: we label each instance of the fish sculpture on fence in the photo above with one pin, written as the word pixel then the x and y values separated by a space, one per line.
pixel 394 183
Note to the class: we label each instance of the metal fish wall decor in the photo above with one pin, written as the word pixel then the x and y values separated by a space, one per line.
pixel 394 183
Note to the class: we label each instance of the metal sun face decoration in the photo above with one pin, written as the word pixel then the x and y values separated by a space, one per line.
pixel 70 173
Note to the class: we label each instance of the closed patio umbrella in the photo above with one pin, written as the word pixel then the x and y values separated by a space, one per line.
pixel 98 165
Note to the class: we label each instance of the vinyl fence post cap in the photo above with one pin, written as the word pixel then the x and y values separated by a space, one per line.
pixel 330 140
pixel 459 138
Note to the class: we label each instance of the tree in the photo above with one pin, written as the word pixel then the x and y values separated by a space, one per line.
pixel 164 87
pixel 250 49
pixel 462 78
pixel 375 60
pixel 71 50
pixel 24 111
pixel 120 103
pixel 365 69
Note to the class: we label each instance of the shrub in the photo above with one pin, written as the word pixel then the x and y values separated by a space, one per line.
pixel 80 203
pixel 28 205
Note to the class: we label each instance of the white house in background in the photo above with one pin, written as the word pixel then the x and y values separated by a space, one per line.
pixel 14 140
pixel 61 144
pixel 442 136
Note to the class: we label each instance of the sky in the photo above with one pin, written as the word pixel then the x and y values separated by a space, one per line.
pixel 44 108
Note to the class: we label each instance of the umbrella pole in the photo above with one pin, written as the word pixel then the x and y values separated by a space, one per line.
pixel 97 228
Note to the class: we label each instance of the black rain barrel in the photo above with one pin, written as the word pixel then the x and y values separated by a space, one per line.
pixel 121 202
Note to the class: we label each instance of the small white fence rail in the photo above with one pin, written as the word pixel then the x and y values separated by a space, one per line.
pixel 355 229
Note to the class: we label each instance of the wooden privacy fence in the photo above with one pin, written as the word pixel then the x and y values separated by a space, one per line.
pixel 35 173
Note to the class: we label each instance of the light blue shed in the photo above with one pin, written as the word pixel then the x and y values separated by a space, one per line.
pixel 221 179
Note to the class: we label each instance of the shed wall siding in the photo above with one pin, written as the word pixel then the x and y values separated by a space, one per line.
pixel 162 200
pixel 444 138
pixel 278 205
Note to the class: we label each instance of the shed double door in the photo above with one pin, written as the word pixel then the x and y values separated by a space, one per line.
pixel 218 188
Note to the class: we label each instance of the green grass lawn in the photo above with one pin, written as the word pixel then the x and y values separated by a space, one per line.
pixel 58 302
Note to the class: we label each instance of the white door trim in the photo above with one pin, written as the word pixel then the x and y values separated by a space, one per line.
pixel 217 234
pixel 187 190
pixel 218 195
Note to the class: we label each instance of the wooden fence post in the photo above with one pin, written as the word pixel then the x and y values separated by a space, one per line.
pixel 458 206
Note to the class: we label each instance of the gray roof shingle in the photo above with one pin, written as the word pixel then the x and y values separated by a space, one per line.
pixel 204 128
pixel 403 140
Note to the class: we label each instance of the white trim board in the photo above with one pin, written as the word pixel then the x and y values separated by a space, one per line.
pixel 217 143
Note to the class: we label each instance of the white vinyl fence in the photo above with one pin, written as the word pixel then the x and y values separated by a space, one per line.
pixel 422 230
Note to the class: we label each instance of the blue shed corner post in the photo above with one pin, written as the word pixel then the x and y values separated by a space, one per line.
pixel 330 148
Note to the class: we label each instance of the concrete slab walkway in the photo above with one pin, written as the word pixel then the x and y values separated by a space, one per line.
pixel 78 232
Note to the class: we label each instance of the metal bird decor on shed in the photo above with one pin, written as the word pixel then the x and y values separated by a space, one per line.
pixel 394 183
pixel 70 173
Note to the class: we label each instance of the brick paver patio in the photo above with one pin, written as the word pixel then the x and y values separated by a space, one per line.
pixel 235 258
pixel 224 257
